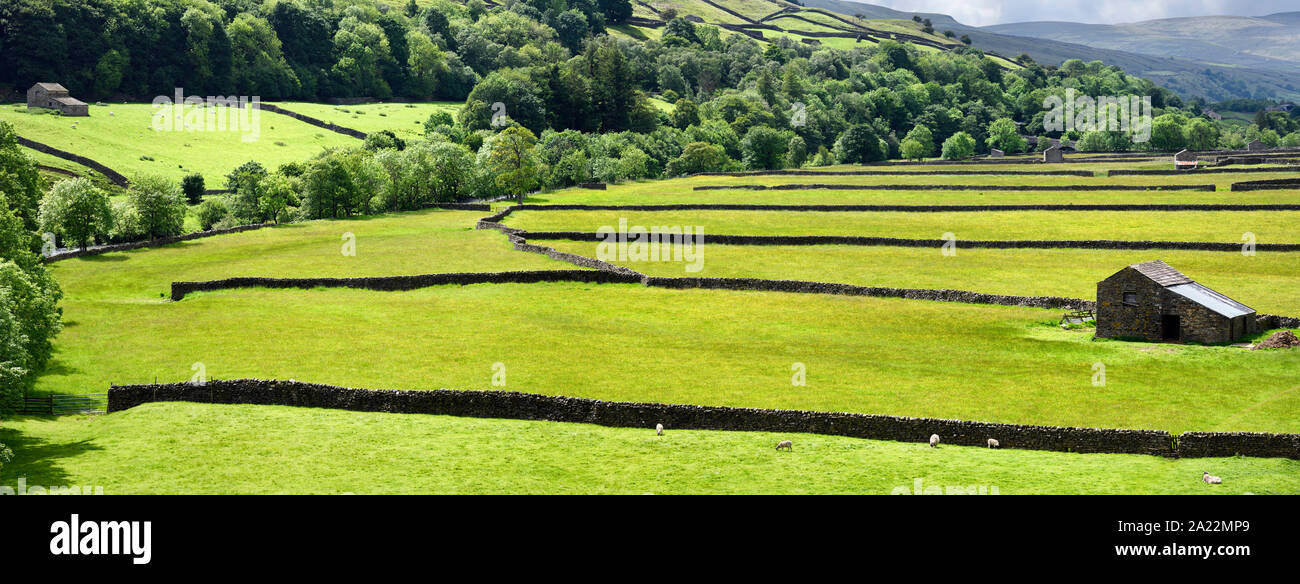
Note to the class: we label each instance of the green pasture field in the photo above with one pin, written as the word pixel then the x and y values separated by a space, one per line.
pixel 153 449
pixel 659 193
pixel 1266 282
pixel 404 119
pixel 120 140
pixel 1217 226
pixel 632 343
pixel 418 242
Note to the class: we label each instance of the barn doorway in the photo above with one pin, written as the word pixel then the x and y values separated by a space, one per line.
pixel 1170 327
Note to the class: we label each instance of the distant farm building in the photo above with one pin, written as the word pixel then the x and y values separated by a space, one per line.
pixel 1054 154
pixel 1155 302
pixel 54 96
pixel 1256 146
pixel 1185 160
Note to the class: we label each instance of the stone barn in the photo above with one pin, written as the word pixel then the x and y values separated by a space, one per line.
pixel 1155 302
pixel 1054 154
pixel 54 96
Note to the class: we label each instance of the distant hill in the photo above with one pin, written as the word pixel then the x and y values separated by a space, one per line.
pixel 1264 67
pixel 1257 43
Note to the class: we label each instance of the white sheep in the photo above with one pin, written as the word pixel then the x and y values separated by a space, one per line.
pixel 1209 478
pixel 993 443
pixel 785 444
pixel 659 429
pixel 934 441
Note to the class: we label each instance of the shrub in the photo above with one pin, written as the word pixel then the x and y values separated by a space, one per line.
pixel 858 145
pixel 573 168
pixel 126 223
pixel 796 152
pixel 193 188
pixel 958 146
pixel 698 157
pixel 912 149
pixel 436 120
pixel 159 205
pixel 1005 136
pixel 383 139
pixel 77 211
pixel 210 213
pixel 924 139
pixel 763 148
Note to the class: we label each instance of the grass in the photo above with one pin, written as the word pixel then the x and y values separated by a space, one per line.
pixel 121 139
pixel 631 343
pixel 404 119
pixel 682 190
pixel 179 448
pixel 1220 226
pixel 1266 281
pixel 419 242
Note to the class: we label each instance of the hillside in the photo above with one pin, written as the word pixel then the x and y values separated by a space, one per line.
pixel 769 20
pixel 1257 43
pixel 1213 80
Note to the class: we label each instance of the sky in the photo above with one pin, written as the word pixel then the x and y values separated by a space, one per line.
pixel 988 12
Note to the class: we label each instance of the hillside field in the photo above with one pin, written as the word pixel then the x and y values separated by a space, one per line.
pixel 307 451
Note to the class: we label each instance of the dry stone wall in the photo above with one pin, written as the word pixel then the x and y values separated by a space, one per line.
pixel 524 406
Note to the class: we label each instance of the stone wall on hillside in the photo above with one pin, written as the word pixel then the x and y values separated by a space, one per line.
pixel 524 406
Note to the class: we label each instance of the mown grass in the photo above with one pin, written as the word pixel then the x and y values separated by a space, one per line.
pixel 179 448
pixel 1218 226
pixel 631 343
pixel 1266 281
pixel 120 140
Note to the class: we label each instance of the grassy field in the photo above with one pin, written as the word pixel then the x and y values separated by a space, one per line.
pixel 404 119
pixel 873 191
pixel 119 136
pixel 630 343
pixel 1266 281
pixel 179 448
pixel 419 242
pixel 1220 226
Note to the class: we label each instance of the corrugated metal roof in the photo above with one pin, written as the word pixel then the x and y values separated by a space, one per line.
pixel 1162 273
pixel 1211 299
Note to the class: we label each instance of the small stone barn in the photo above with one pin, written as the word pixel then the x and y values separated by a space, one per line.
pixel 1185 160
pixel 1155 302
pixel 54 96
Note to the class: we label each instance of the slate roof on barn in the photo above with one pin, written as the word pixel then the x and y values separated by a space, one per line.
pixel 1161 273
pixel 1178 283
pixel 52 87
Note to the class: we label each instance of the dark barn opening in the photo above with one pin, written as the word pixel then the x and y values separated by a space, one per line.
pixel 1169 325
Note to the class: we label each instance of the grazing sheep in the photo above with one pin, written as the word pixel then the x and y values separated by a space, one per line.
pixel 993 443
pixel 785 444
pixel 934 441
pixel 659 429
pixel 1209 478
